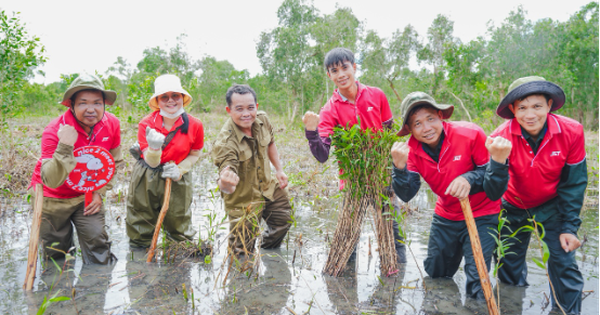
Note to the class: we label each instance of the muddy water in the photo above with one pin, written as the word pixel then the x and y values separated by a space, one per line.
pixel 287 280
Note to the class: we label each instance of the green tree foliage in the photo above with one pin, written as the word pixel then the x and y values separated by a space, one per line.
pixel 20 54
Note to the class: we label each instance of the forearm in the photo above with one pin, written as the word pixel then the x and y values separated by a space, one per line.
pixel 56 169
pixel 475 179
pixel 152 157
pixel 405 183
pixel 495 181
pixel 119 163
pixel 274 157
pixel 187 163
pixel 319 146
pixel 571 193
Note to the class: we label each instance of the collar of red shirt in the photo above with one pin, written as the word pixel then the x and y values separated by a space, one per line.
pixel 159 124
pixel 415 145
pixel 337 97
pixel 553 126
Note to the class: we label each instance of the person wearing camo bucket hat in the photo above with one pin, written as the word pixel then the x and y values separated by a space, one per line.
pixel 169 144
pixel 454 159
pixel 85 123
pixel 548 150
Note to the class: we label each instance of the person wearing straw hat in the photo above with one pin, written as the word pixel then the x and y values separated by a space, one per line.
pixel 169 144
pixel 84 123
pixel 548 150
pixel 454 159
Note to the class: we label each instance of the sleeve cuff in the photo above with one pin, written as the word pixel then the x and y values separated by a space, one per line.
pixel 312 134
pixel 498 166
pixel 399 170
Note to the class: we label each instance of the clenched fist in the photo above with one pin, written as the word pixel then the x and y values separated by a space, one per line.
pixel 154 138
pixel 67 134
pixel 499 148
pixel 400 152
pixel 228 180
pixel 311 121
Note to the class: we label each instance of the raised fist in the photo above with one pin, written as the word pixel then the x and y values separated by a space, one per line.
pixel 67 134
pixel 310 121
pixel 154 138
pixel 228 180
pixel 499 148
pixel 400 152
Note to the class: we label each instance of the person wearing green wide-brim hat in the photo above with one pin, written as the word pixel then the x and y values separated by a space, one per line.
pixel 85 123
pixel 454 159
pixel 548 150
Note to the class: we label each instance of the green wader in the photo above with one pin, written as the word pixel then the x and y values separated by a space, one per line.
pixel 58 218
pixel 146 194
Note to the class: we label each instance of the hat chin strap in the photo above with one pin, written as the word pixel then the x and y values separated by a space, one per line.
pixel 174 115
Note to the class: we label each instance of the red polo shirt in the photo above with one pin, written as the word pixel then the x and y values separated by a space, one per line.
pixel 181 145
pixel 462 151
pixel 107 134
pixel 370 105
pixel 534 177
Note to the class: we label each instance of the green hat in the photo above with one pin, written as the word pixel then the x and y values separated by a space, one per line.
pixel 86 82
pixel 525 86
pixel 415 99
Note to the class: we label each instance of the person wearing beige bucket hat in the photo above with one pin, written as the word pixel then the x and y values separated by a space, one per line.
pixel 85 123
pixel 169 144
pixel 454 159
pixel 548 150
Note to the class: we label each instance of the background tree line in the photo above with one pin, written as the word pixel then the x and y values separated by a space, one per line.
pixel 471 75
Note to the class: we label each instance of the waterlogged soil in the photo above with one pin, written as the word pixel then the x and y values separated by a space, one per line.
pixel 288 280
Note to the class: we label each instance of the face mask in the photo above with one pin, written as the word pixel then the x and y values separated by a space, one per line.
pixel 172 116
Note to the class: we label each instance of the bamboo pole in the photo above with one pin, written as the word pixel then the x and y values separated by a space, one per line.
pixel 484 277
pixel 34 238
pixel 161 218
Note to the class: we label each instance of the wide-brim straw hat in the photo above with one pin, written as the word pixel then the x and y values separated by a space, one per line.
pixel 415 99
pixel 525 86
pixel 86 82
pixel 168 83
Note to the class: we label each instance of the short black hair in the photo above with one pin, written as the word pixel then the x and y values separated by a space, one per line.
pixel 546 96
pixel 338 56
pixel 239 89
pixel 74 96
pixel 415 109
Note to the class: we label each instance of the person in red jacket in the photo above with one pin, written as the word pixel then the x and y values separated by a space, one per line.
pixel 169 144
pixel 548 150
pixel 453 158
pixel 350 102
pixel 85 123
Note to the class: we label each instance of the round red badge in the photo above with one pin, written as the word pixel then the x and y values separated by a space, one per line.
pixel 95 168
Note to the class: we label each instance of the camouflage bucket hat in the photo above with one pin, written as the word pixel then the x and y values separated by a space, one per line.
pixel 415 99
pixel 525 86
pixel 88 82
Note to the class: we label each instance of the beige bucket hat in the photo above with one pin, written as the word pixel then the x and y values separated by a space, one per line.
pixel 168 83
pixel 87 81
pixel 415 99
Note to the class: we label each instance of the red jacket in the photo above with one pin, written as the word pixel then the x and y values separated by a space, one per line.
pixel 534 178
pixel 462 151
pixel 179 148
pixel 107 134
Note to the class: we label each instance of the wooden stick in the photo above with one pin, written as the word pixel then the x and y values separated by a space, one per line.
pixel 34 238
pixel 161 218
pixel 484 277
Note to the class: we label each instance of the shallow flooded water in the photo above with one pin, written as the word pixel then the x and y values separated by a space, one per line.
pixel 288 280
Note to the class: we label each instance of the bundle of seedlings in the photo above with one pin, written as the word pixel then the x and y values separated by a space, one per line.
pixel 365 164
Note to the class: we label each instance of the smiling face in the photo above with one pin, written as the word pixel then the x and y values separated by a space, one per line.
pixel 88 108
pixel 342 74
pixel 531 113
pixel 426 126
pixel 243 110
pixel 170 102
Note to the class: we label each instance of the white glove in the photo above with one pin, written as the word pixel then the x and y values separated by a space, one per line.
pixel 171 170
pixel 154 138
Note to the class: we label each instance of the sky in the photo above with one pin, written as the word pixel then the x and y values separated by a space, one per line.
pixel 86 36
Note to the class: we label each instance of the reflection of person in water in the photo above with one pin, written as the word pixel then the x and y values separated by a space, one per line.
pixel 270 292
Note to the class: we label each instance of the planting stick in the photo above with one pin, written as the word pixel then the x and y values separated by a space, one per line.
pixel 478 256
pixel 161 218
pixel 34 238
